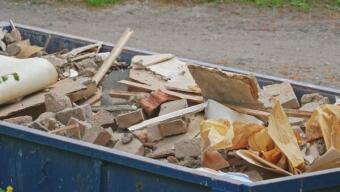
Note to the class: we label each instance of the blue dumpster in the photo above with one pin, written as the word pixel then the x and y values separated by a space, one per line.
pixel 32 160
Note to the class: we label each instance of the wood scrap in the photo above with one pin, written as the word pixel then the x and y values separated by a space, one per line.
pixel 113 56
pixel 157 120
pixel 148 60
pixel 190 97
pixel 15 32
pixel 75 52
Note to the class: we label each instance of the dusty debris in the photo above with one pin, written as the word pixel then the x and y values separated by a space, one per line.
pixel 21 120
pixel 314 97
pixel 135 147
pixel 187 148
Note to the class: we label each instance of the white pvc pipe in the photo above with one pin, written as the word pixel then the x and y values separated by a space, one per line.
pixel 35 74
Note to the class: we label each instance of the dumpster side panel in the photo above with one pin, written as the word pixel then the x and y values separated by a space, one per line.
pixel 119 178
pixel 31 167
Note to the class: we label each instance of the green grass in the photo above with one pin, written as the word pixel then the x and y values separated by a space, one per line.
pixel 304 5
pixel 101 2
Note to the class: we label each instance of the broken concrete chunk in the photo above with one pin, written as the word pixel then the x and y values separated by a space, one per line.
pixel 55 102
pixel 103 138
pixel 283 92
pixel 190 162
pixel 187 148
pixel 21 120
pixel 314 97
pixel 174 127
pixel 80 131
pixel 154 101
pixel 103 118
pixel 161 154
pixel 135 147
pixel 172 106
pixel 45 122
pixel 91 134
pixel 83 113
pixel 128 119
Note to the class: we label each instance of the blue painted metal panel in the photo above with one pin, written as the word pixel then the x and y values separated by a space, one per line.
pixel 32 160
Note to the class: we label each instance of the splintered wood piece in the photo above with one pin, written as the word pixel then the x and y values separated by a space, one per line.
pixel 113 56
pixel 15 32
pixel 194 98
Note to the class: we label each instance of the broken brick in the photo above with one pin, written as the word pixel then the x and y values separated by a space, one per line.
pixel 82 113
pixel 152 102
pixel 174 127
pixel 128 119
pixel 214 160
pixel 55 102
pixel 187 148
pixel 173 106
pixel 21 120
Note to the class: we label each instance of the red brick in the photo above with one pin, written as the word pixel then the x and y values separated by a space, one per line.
pixel 155 99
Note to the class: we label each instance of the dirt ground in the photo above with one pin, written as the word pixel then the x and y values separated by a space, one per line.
pixel 280 42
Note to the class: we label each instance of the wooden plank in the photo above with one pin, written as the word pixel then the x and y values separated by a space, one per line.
pixel 195 98
pixel 113 56
pixel 159 119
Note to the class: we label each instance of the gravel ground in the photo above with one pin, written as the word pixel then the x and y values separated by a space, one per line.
pixel 279 42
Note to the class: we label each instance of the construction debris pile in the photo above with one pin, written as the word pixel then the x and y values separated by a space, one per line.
pixel 163 108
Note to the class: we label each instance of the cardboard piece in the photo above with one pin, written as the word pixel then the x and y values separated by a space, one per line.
pixel 329 160
pixel 226 87
pixel 253 158
pixel 63 87
pixel 284 138
pixel 325 122
pixel 226 129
